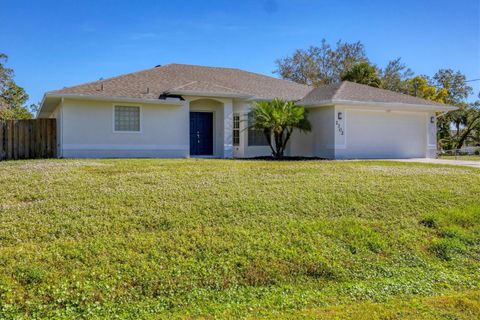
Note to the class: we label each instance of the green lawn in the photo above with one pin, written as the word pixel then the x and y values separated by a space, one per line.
pixel 238 239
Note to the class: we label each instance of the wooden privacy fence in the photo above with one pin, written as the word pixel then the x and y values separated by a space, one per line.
pixel 28 139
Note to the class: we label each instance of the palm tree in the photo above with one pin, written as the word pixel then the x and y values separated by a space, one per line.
pixel 279 118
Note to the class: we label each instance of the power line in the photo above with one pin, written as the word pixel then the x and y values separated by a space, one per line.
pixel 472 80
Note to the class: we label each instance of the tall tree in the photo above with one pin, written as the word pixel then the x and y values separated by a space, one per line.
pixel 464 120
pixel 12 96
pixel 5 73
pixel 320 65
pixel 466 124
pixel 455 84
pixel 363 73
pixel 394 76
pixel 470 123
pixel 419 86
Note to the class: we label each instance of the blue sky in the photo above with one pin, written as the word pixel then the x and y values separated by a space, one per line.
pixel 52 44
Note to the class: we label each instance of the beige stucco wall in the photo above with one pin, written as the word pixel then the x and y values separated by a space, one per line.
pixel 87 131
pixel 366 132
pixel 319 142
pixel 374 132
pixel 323 124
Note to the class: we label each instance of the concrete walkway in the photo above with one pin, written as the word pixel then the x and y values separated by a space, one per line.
pixel 465 163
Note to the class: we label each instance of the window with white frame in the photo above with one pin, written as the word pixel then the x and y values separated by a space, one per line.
pixel 127 119
pixel 256 137
pixel 236 129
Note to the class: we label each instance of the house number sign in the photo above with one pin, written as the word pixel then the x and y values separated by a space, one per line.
pixel 340 128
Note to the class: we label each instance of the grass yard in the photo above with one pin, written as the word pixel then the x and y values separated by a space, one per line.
pixel 238 239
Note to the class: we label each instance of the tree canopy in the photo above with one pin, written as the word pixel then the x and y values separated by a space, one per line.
pixel 419 86
pixel 12 97
pixel 363 73
pixel 393 76
pixel 325 64
pixel 320 65
pixel 454 82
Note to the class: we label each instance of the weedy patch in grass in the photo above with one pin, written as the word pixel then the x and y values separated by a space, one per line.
pixel 457 231
pixel 323 270
pixel 29 274
pixel 446 248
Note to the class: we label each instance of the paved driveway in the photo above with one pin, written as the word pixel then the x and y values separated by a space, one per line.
pixel 466 163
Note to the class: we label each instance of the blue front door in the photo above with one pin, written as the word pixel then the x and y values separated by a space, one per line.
pixel 201 133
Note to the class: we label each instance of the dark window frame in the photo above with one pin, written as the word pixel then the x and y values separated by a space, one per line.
pixel 256 137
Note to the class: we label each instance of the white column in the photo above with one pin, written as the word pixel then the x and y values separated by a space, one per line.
pixel 431 136
pixel 186 115
pixel 227 129
pixel 340 139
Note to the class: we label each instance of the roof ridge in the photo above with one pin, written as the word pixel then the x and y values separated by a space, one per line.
pixel 225 87
pixel 175 64
pixel 241 70
pixel 201 66
pixel 183 85
pixel 347 91
pixel 391 91
pixel 340 86
pixel 191 79
pixel 206 82
pixel 287 80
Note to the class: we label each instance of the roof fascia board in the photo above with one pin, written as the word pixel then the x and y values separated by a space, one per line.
pixel 41 106
pixel 112 98
pixel 258 99
pixel 49 104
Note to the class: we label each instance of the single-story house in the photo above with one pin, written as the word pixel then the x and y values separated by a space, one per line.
pixel 183 111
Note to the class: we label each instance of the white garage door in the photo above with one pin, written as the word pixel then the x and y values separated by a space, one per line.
pixel 381 134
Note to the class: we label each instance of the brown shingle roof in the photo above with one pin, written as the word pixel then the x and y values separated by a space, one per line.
pixel 355 92
pixel 151 83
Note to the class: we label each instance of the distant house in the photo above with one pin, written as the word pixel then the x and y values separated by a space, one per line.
pixel 184 111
